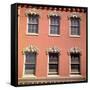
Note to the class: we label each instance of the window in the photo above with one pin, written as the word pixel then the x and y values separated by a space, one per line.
pixel 33 24
pixel 75 26
pixel 75 63
pixel 30 63
pixel 54 25
pixel 53 63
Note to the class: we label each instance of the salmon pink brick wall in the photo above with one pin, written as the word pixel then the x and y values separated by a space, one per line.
pixel 43 41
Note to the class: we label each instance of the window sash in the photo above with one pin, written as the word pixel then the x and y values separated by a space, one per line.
pixel 32 28
pixel 75 68
pixel 75 63
pixel 54 29
pixel 53 68
pixel 30 63
pixel 75 26
pixel 29 68
pixel 54 25
pixel 32 24
pixel 53 63
pixel 30 58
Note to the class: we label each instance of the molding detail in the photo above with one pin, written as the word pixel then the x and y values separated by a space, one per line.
pixel 30 48
pixel 52 50
pixel 32 11
pixel 54 13
pixel 74 15
pixel 74 50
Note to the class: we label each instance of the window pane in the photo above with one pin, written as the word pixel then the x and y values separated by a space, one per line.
pixel 34 19
pixel 54 20
pixel 30 57
pixel 53 58
pixel 54 29
pixel 30 30
pixel 75 68
pixel 29 68
pixel 53 67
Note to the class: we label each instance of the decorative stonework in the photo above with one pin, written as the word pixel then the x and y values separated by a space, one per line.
pixel 53 50
pixel 54 13
pixel 74 50
pixel 31 12
pixel 74 15
pixel 30 48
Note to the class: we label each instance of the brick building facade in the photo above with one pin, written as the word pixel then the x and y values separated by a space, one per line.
pixel 51 43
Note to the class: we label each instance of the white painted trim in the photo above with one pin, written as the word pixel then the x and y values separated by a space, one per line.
pixel 47 64
pixel 69 65
pixel 32 34
pixel 75 36
pixel 76 75
pixel 54 35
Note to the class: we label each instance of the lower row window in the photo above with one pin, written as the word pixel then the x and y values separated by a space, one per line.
pixel 75 63
pixel 30 63
pixel 53 65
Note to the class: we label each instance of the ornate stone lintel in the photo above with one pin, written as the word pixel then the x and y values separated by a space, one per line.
pixel 74 50
pixel 31 12
pixel 53 50
pixel 54 13
pixel 30 48
pixel 74 15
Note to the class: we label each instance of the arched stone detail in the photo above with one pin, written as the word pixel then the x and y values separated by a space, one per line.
pixel 31 12
pixel 54 13
pixel 74 50
pixel 31 48
pixel 74 15
pixel 52 50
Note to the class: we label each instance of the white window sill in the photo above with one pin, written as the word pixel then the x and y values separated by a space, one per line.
pixel 54 76
pixel 29 76
pixel 32 34
pixel 54 35
pixel 76 75
pixel 75 36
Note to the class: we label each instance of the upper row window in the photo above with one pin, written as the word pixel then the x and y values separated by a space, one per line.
pixel 33 24
pixel 54 25
pixel 75 26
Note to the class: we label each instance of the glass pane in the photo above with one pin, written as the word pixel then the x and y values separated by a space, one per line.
pixel 30 28
pixel 75 68
pixel 30 57
pixel 53 58
pixel 29 66
pixel 75 59
pixel 35 28
pixel 34 19
pixel 54 20
pixel 54 29
pixel 30 71
pixel 53 67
